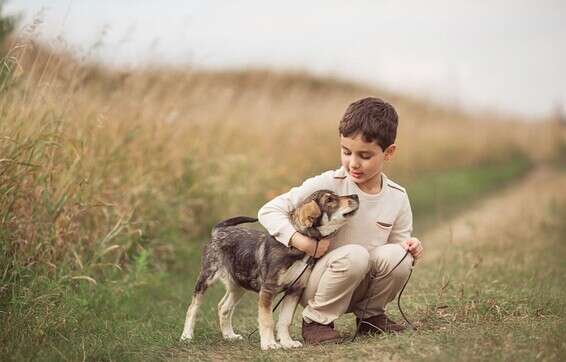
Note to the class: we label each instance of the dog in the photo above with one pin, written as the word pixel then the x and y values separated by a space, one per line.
pixel 248 259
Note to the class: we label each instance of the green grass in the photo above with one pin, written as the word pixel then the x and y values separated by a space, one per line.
pixel 138 314
pixel 436 196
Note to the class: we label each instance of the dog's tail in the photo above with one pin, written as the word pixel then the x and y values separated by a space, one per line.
pixel 234 221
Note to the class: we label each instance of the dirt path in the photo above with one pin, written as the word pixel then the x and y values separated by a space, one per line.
pixel 516 208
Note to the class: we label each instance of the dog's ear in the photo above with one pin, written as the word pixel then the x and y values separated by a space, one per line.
pixel 308 214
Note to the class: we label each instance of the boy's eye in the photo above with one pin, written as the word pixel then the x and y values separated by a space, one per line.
pixel 365 157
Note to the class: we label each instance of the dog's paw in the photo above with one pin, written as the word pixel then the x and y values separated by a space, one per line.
pixel 291 344
pixel 270 345
pixel 233 337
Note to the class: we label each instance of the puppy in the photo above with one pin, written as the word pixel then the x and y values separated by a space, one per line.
pixel 247 259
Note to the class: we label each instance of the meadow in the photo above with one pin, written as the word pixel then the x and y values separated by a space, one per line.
pixel 110 181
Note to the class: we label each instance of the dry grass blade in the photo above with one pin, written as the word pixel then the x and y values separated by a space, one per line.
pixel 85 277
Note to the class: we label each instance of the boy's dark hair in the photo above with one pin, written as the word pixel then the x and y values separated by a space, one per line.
pixel 373 118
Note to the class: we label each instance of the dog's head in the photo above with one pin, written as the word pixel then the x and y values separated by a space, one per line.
pixel 323 213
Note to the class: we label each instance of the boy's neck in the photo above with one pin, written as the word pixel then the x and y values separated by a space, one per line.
pixel 372 186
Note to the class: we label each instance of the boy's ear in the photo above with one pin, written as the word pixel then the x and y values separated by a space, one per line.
pixel 390 151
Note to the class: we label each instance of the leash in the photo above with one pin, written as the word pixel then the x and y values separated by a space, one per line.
pixel 310 264
pixel 312 261
pixel 409 324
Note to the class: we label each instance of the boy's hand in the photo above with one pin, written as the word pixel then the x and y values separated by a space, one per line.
pixel 308 245
pixel 414 246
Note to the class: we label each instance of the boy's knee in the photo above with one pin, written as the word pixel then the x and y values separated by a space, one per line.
pixel 354 261
pixel 391 256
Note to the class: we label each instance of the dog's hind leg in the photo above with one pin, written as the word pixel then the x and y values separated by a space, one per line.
pixel 265 319
pixel 288 307
pixel 226 309
pixel 205 279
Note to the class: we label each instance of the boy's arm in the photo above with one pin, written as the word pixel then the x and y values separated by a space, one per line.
pixel 274 215
pixel 402 229
pixel 403 225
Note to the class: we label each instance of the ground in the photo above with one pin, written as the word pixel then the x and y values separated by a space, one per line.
pixel 489 287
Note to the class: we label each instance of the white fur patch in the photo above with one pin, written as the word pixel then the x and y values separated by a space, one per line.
pixel 331 225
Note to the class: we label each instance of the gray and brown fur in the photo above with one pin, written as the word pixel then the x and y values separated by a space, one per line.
pixel 248 259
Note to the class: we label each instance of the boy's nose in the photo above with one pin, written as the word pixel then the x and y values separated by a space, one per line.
pixel 354 165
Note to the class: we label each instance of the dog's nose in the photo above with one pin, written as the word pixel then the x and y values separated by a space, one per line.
pixel 355 197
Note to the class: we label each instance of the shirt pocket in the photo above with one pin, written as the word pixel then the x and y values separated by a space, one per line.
pixel 382 231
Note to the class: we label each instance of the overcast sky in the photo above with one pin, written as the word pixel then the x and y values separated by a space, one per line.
pixel 502 55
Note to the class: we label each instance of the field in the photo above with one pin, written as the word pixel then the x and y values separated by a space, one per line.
pixel 110 181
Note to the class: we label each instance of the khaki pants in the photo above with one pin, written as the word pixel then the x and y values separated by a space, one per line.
pixel 348 278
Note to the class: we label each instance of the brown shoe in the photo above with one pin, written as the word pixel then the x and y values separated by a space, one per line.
pixel 316 333
pixel 379 324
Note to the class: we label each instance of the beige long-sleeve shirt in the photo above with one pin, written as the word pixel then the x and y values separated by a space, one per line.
pixel 382 218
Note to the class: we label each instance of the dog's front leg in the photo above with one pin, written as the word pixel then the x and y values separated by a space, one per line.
pixel 265 319
pixel 288 307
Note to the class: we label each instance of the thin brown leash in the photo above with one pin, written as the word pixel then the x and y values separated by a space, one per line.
pixel 312 261
pixel 409 324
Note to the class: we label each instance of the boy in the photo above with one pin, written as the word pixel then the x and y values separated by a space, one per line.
pixel 348 275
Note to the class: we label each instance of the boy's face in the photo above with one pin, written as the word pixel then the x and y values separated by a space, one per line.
pixel 364 161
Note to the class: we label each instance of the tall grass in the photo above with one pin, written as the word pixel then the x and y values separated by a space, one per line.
pixel 108 178
pixel 97 166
